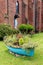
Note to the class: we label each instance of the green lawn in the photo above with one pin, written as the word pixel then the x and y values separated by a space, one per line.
pixel 8 59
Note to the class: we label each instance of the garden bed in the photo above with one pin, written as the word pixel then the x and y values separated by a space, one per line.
pixel 20 44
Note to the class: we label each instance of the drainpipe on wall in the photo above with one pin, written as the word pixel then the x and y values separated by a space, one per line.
pixel 22 11
pixel 40 18
pixel 7 11
pixel 7 7
pixel 35 13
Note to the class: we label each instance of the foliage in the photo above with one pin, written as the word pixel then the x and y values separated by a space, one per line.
pixel 15 31
pixel 26 38
pixel 29 45
pixel 6 29
pixel 21 41
pixel 29 28
pixel 10 40
pixel 24 42
pixel 22 28
pixel 25 28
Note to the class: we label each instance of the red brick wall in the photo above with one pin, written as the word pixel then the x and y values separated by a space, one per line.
pixel 42 16
pixel 10 9
pixel 2 10
pixel 30 11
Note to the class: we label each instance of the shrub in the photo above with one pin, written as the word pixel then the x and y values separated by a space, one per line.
pixel 15 31
pixel 22 28
pixel 6 29
pixel 25 28
pixel 29 28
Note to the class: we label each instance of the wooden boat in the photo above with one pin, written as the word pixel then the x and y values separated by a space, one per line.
pixel 21 51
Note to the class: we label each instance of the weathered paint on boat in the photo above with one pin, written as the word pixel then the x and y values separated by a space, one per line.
pixel 21 51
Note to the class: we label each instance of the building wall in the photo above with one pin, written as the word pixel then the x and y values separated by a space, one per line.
pixel 2 10
pixel 12 11
pixel 26 12
pixel 42 16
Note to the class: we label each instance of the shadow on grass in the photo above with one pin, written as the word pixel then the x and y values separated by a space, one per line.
pixel 35 57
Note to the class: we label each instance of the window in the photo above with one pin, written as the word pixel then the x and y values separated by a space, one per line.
pixel 17 7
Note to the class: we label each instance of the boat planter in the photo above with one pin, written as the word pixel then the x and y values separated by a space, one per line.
pixel 21 51
pixel 20 45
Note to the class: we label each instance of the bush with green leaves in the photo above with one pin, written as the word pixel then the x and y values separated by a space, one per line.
pixel 25 28
pixel 15 31
pixel 6 29
pixel 29 28
pixel 22 28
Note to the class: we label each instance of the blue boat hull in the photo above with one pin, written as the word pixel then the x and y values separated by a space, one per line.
pixel 21 51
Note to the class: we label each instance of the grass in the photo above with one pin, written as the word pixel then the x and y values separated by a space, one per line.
pixel 8 59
